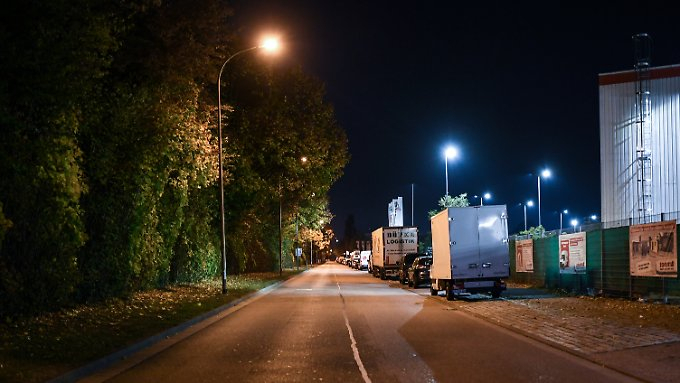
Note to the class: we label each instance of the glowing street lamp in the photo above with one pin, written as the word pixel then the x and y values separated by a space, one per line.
pixel 269 45
pixel 545 174
pixel 450 152
pixel 574 222
pixel 481 198
pixel 530 204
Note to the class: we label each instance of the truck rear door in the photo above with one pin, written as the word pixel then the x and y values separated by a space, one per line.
pixel 464 244
pixel 493 245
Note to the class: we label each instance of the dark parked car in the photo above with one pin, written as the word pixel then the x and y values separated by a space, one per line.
pixel 419 271
pixel 403 267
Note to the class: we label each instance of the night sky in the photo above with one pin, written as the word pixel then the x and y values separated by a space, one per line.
pixel 513 85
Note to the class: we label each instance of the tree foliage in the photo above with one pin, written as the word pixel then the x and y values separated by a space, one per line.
pixel 108 152
pixel 534 232
pixel 447 201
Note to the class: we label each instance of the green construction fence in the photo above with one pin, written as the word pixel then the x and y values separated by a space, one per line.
pixel 607 268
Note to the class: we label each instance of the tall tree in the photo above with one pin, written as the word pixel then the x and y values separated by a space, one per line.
pixel 150 153
pixel 299 152
pixel 53 55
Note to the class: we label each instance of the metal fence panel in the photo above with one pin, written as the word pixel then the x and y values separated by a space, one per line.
pixel 607 265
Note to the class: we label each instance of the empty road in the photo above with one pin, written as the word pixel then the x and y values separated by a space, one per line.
pixel 334 324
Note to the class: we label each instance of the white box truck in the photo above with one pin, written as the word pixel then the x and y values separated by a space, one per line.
pixel 390 244
pixel 470 250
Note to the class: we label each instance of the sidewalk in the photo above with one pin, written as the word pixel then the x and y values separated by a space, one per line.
pixel 585 327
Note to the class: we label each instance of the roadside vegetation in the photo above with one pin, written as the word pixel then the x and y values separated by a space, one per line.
pixel 45 346
pixel 109 151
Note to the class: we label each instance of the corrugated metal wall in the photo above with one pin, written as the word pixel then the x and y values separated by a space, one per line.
pixel 618 143
pixel 607 268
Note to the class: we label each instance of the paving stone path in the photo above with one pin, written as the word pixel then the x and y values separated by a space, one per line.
pixel 583 334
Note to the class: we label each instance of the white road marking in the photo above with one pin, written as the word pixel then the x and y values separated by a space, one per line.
pixel 355 349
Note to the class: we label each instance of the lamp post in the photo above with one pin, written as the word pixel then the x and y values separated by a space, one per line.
pixel 450 152
pixel 565 211
pixel 530 204
pixel 269 45
pixel 481 198
pixel 545 174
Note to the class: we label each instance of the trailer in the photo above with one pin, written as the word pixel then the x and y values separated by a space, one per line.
pixel 390 244
pixel 470 251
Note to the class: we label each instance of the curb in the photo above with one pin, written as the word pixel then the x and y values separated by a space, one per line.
pixel 110 360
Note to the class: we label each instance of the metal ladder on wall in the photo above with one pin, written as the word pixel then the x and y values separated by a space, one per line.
pixel 643 121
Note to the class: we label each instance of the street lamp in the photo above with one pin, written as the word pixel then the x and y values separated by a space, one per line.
pixel 268 45
pixel 450 152
pixel 574 222
pixel 545 174
pixel 530 204
pixel 565 211
pixel 481 198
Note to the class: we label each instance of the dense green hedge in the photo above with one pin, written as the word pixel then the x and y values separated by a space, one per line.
pixel 108 150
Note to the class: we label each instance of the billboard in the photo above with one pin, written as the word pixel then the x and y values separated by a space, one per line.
pixel 572 253
pixel 524 256
pixel 395 212
pixel 653 252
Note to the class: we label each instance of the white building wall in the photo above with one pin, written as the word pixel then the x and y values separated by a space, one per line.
pixel 618 143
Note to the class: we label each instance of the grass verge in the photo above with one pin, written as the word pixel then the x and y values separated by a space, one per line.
pixel 46 346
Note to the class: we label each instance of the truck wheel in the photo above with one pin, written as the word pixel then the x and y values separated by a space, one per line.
pixel 382 274
pixel 496 293
pixel 434 292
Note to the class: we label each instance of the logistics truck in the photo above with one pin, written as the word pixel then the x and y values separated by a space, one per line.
pixel 470 250
pixel 390 244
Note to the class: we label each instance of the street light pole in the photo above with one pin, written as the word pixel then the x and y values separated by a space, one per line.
pixel 565 211
pixel 545 173
pixel 481 198
pixel 270 45
pixel 451 152
pixel 446 172
pixel 530 204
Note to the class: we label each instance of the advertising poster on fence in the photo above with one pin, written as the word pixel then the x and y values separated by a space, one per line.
pixel 524 256
pixel 573 253
pixel 652 250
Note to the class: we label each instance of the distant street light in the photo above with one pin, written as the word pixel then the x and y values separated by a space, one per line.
pixel 450 152
pixel 545 174
pixel 593 217
pixel 268 45
pixel 565 211
pixel 530 204
pixel 481 198
pixel 574 222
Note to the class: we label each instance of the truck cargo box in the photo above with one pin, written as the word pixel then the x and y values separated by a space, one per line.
pixel 390 244
pixel 470 249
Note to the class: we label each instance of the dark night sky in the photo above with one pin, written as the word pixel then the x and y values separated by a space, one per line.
pixel 513 85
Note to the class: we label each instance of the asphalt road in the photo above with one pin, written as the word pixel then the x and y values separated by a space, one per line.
pixel 334 324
